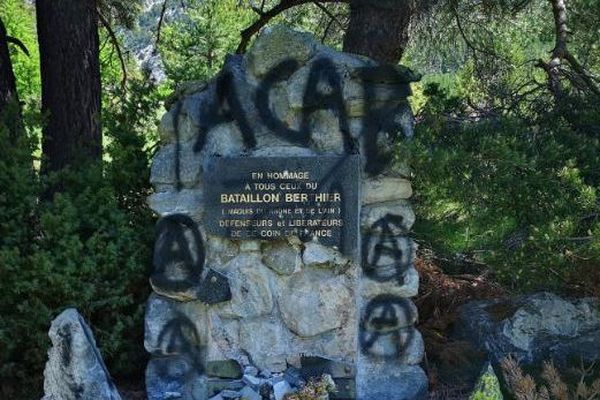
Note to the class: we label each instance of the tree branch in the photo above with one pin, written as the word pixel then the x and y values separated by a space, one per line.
pixel 466 39
pixel 267 16
pixel 18 43
pixel 8 83
pixel 560 53
pixel 163 10
pixel 328 13
pixel 115 42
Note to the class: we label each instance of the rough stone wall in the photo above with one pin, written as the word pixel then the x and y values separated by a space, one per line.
pixel 223 306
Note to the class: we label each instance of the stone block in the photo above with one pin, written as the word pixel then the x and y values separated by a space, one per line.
pixel 282 257
pixel 384 189
pixel 277 44
pixel 75 369
pixel 391 381
pixel 312 304
pixel 391 218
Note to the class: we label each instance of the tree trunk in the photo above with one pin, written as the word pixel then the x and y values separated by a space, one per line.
pixel 8 86
pixel 70 70
pixel 379 29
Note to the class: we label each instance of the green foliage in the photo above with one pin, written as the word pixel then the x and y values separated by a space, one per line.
pixel 19 19
pixel 520 195
pixel 487 386
pixel 194 47
pixel 491 50
pixel 506 173
pixel 89 248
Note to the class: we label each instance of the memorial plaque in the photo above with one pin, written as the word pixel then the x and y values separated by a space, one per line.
pixel 270 198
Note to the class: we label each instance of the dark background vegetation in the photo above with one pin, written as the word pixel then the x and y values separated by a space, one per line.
pixel 505 157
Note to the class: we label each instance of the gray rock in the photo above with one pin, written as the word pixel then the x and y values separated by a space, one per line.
pixel 219 251
pixel 175 377
pixel 385 188
pixel 404 346
pixel 319 366
pixel 224 140
pixel 280 389
pixel 186 201
pixel 230 394
pixel 404 314
pixel 75 369
pixel 294 377
pixel 316 254
pixel 312 303
pixel 224 369
pixel 405 119
pixel 408 288
pixel 196 108
pixel 395 218
pixel 387 258
pixel 283 151
pixel 163 170
pixel 391 381
pixel 166 129
pixel 296 86
pixel 250 287
pixel 248 393
pixel 277 44
pixel 251 370
pixel 250 246
pixel 268 341
pixel 533 328
pixel 252 381
pixel 327 136
pixel 282 257
pixel 174 328
pixel 348 62
pixel 359 104
pixel 224 339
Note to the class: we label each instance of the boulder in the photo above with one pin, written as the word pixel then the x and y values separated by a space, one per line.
pixel 392 218
pixel 163 171
pixel 533 328
pixel 326 131
pixel 166 129
pixel 406 286
pixel 268 341
pixel 75 369
pixel 250 287
pixel 312 304
pixel 386 188
pixel 390 380
pixel 172 327
pixel 282 257
pixel 283 151
pixel 186 201
pixel 316 254
pixel 278 44
pixel 175 377
pixel 387 258
pixel 224 140
pixel 280 389
pixel 219 251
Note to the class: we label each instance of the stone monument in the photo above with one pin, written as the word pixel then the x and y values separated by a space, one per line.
pixel 282 250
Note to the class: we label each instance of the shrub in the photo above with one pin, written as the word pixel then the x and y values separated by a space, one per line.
pixel 551 385
pixel 519 195
pixel 89 247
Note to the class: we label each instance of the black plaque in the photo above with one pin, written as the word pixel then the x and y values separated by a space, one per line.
pixel 269 198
